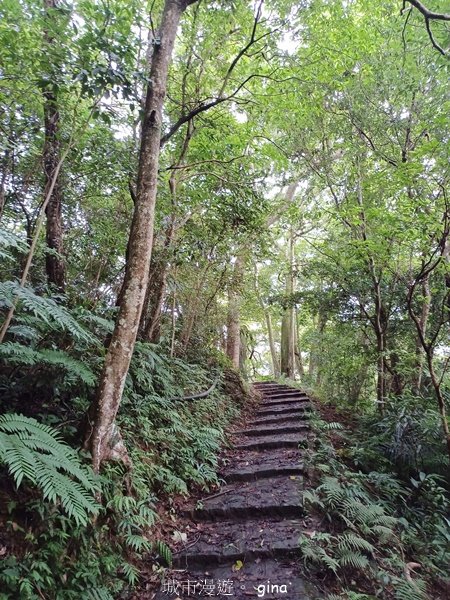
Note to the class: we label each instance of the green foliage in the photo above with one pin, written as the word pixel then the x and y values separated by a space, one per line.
pixel 46 309
pixel 355 109
pixel 375 523
pixel 35 453
pixel 9 242
pixel 179 440
pixel 18 354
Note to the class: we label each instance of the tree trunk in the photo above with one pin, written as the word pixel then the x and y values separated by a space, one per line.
pixel 191 312
pixel 54 261
pixel 100 440
pixel 426 303
pixel 268 320
pixel 3 178
pixel 154 301
pixel 273 350
pixel 429 351
pixel 287 323
pixel 173 318
pixel 440 398
pixel 298 349
pixel 315 357
pixel 233 323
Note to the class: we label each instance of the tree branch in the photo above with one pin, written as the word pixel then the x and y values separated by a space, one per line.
pixel 202 107
pixel 429 15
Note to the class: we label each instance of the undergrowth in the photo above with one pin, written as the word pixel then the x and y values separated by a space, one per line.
pixel 56 540
pixel 381 536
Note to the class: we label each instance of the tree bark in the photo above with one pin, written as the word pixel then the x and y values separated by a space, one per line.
pixel 298 349
pixel 54 260
pixel 287 323
pixel 273 350
pixel 428 346
pixel 154 300
pixel 316 353
pixel 426 304
pixel 3 178
pixel 268 319
pixel 100 440
pixel 234 323
pixel 191 313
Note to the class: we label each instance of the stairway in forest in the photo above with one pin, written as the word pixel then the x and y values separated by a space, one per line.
pixel 245 538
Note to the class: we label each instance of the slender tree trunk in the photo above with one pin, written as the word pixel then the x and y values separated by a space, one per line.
pixel 287 323
pixel 380 372
pixel 101 439
pixel 440 398
pixel 298 349
pixel 54 261
pixel 189 320
pixel 426 303
pixel 155 300
pixel 268 320
pixel 234 322
pixel 315 360
pixel 174 318
pixel 191 313
pixel 150 324
pixel 429 351
pixel 3 178
pixel 273 350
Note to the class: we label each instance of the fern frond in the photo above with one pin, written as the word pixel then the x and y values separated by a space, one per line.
pixel 74 368
pixel 131 573
pixel 164 552
pixel 330 562
pixel 19 354
pixel 23 331
pixel 8 240
pixel 99 594
pixel 46 309
pixel 35 452
pixel 353 559
pixel 415 590
pixel 350 541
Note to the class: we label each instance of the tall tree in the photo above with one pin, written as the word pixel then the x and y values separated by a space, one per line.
pixel 54 260
pixel 118 357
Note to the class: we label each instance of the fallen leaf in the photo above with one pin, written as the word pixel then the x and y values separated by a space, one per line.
pixel 237 565
pixel 311 534
pixel 179 536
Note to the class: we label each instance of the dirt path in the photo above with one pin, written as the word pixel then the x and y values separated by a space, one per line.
pixel 245 537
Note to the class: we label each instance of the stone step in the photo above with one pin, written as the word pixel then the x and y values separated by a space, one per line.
pixel 273 429
pixel 274 497
pixel 289 417
pixel 286 407
pixel 279 395
pixel 263 442
pixel 208 544
pixel 284 401
pixel 276 390
pixel 252 461
pixel 263 472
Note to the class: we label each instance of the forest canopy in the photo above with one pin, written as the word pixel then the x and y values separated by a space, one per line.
pixel 194 189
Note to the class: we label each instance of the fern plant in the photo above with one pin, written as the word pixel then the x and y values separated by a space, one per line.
pixel 35 453
pixel 9 241
pixel 46 309
pixel 14 353
pixel 365 537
